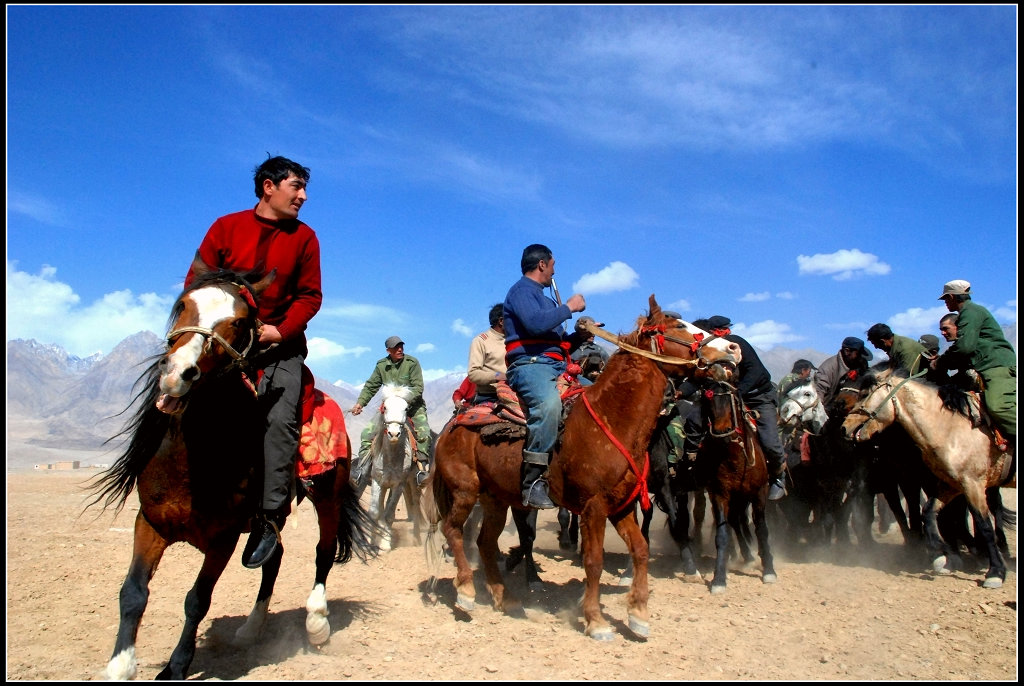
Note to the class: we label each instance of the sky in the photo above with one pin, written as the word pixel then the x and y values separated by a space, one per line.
pixel 806 171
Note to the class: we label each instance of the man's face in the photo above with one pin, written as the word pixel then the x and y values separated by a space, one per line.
pixel 883 344
pixel 397 353
pixel 950 301
pixel 948 330
pixel 547 271
pixel 285 199
pixel 850 356
pixel 805 373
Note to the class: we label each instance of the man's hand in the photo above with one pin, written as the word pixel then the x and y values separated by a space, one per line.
pixel 269 334
pixel 356 409
pixel 576 303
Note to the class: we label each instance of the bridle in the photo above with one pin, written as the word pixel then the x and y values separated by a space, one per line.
pixel 209 335
pixel 739 416
pixel 658 336
pixel 890 396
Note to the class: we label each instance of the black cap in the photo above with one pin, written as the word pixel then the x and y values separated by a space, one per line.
pixel 854 343
pixel 719 322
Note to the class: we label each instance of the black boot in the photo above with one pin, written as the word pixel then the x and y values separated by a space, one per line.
pixel 534 486
pixel 263 541
pixel 777 486
pixel 423 463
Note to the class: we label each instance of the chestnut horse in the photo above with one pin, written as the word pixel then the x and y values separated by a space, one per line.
pixel 194 442
pixel 963 456
pixel 598 471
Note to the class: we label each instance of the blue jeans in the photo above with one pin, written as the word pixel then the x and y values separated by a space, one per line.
pixel 534 379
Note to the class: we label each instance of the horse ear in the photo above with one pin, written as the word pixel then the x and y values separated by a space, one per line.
pixel 262 284
pixel 199 267
pixel 653 307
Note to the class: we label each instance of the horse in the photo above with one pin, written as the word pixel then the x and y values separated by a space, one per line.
pixel 190 457
pixel 389 465
pixel 731 464
pixel 598 471
pixel 963 456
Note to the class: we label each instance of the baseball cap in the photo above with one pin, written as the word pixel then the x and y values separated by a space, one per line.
pixel 673 314
pixel 585 320
pixel 930 343
pixel 854 343
pixel 955 287
pixel 393 342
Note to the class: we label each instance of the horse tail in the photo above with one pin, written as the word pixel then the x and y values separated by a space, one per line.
pixel 146 430
pixel 434 507
pixel 356 529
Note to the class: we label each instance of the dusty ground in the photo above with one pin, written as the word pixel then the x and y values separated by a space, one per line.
pixel 837 619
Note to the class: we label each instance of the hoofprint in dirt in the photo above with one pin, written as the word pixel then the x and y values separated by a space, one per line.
pixel 840 618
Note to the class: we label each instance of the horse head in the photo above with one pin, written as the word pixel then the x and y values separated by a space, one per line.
pixel 212 327
pixel 724 410
pixel 874 410
pixel 679 348
pixel 803 407
pixel 394 407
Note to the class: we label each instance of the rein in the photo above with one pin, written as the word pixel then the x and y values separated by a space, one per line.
pixel 209 334
pixel 737 432
pixel 654 354
pixel 641 477
pixel 889 396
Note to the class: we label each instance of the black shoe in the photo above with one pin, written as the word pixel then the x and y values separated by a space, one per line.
pixel 262 542
pixel 778 488
pixel 421 476
pixel 536 496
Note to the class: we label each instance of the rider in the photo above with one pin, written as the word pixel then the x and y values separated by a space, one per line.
pixel 271 237
pixel 536 357
pixel 853 356
pixel 487 356
pixel 801 373
pixel 758 394
pixel 904 353
pixel 402 370
pixel 984 348
pixel 590 356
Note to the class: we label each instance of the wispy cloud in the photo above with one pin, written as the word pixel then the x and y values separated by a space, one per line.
pixel 617 276
pixel 322 350
pixel 425 348
pixel 842 264
pixel 35 207
pixel 460 327
pixel 755 297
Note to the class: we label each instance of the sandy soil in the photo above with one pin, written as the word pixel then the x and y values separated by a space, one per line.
pixel 837 617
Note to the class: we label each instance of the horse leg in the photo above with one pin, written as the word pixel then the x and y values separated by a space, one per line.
pixel 394 494
pixel 252 630
pixel 764 549
pixel 526 526
pixel 977 503
pixel 197 604
pixel 680 530
pixel 462 504
pixel 639 554
pixel 592 525
pixel 720 510
pixel 494 518
pixel 564 524
pixel 149 547
pixel 941 535
pixel 376 507
pixel 700 506
pixel 329 515
pixel 626 579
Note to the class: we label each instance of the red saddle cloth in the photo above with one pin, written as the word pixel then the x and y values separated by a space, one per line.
pixel 323 439
pixel 508 409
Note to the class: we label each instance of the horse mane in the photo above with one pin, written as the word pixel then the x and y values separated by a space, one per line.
pixel 215 277
pixel 955 399
pixel 146 429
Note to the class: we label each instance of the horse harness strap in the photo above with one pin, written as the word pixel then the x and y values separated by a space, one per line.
pixel 209 334
pixel 641 477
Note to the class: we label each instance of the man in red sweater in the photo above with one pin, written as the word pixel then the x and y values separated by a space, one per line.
pixel 268 237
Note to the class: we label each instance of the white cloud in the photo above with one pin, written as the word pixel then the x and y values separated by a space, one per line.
pixel 785 295
pixel 678 306
pixel 617 276
pixel 1008 313
pixel 322 351
pixel 766 334
pixel 49 311
pixel 460 327
pixel 842 264
pixel 755 297
pixel 916 321
pixel 425 348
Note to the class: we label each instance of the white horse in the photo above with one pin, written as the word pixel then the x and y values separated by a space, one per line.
pixel 802 407
pixel 390 464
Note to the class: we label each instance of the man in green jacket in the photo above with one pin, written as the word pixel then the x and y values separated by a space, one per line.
pixel 402 370
pixel 904 353
pixel 980 340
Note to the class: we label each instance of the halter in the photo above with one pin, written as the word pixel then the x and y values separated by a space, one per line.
pixel 890 396
pixel 210 335
pixel 657 345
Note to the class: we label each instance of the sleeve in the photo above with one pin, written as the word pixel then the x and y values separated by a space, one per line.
pixel 475 370
pixel 416 381
pixel 308 294
pixel 371 387
pixel 968 328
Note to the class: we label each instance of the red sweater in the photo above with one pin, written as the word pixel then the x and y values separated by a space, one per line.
pixel 244 241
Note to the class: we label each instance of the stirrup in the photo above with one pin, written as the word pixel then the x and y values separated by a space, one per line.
pixel 538 498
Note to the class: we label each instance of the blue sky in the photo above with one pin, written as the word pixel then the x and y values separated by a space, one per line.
pixel 805 171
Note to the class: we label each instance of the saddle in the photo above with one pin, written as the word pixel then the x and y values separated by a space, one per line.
pixel 323 439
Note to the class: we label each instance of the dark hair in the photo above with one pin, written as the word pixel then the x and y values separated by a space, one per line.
pixel 879 331
pixel 950 316
pixel 533 255
pixel 496 313
pixel 277 170
pixel 959 297
pixel 801 365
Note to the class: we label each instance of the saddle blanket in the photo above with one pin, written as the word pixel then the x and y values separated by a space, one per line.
pixel 323 439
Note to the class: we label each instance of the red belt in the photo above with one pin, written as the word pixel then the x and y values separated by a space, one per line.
pixel 564 345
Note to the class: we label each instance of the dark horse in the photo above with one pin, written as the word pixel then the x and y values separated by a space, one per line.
pixel 190 457
pixel 731 464
pixel 598 471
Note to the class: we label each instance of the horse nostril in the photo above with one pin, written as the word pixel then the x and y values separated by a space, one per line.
pixel 190 374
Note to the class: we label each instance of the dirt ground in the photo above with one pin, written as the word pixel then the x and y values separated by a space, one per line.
pixel 834 617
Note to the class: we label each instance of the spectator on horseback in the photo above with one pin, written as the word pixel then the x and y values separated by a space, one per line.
pixel 487 356
pixel 853 356
pixel 536 354
pixel 800 374
pixel 904 353
pixel 271 237
pixel 984 348
pixel 758 393
pixel 590 356
pixel 403 370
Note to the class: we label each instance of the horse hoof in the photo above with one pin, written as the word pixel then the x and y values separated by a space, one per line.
pixel 992 582
pixel 694 578
pixel 602 634
pixel 769 579
pixel 939 565
pixel 318 629
pixel 465 603
pixel 536 586
pixel 639 627
pixel 717 589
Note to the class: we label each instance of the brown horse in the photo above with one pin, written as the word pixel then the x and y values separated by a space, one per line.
pixel 598 471
pixel 731 465
pixel 962 455
pixel 191 454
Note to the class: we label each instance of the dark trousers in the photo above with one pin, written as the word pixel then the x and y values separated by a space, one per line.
pixel 280 392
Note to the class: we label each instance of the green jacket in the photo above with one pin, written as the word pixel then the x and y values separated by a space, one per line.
pixel 405 372
pixel 905 354
pixel 980 339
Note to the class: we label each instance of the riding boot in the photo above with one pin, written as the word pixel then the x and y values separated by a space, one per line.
pixel 534 486
pixel 777 490
pixel 263 541
pixel 423 463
